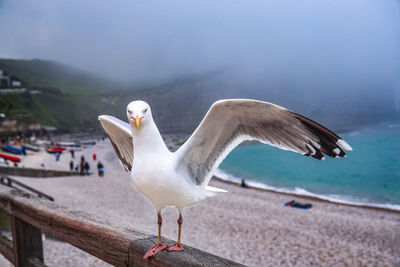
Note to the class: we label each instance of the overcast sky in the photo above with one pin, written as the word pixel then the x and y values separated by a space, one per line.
pixel 142 41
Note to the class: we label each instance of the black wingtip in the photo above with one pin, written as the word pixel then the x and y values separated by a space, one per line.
pixel 329 142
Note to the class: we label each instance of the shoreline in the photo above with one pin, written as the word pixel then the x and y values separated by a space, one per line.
pixel 313 198
pixel 171 138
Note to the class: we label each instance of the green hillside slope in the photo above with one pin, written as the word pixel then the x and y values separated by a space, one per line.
pixel 53 108
pixel 44 73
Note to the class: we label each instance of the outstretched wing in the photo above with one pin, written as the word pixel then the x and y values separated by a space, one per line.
pixel 120 135
pixel 230 122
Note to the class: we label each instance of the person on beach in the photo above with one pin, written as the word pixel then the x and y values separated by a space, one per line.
pixel 100 169
pixel 77 167
pixel 243 184
pixel 72 154
pixel 82 166
pixel 94 156
pixel 58 154
pixel 86 167
pixel 298 205
pixel 71 165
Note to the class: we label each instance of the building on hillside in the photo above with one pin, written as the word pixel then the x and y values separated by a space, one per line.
pixel 16 83
pixel 35 92
pixel 12 90
pixel 4 79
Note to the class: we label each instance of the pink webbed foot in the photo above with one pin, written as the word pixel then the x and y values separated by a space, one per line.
pixel 154 250
pixel 176 247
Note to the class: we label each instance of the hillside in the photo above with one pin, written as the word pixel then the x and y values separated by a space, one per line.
pixel 44 73
pixel 52 107
pixel 65 97
pixel 71 99
pixel 180 105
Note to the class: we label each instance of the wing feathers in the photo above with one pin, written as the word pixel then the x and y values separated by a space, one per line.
pixel 229 122
pixel 328 140
pixel 120 136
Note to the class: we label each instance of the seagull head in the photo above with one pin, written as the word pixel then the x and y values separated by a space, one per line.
pixel 138 113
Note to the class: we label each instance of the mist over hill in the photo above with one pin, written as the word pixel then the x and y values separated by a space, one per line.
pixel 181 104
pixel 46 73
pixel 75 98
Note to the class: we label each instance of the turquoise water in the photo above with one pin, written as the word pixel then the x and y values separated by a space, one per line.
pixel 370 174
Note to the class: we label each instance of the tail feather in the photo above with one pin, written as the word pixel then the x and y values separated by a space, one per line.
pixel 212 191
pixel 215 189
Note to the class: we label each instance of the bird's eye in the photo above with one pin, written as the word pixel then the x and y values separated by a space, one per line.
pixel 130 112
pixel 144 111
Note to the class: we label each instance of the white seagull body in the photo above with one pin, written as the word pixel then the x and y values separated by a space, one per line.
pixel 181 178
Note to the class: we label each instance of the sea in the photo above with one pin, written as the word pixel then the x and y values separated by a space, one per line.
pixel 368 176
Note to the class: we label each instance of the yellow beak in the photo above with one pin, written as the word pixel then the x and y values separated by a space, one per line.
pixel 137 120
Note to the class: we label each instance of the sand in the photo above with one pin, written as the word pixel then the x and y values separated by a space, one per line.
pixel 248 226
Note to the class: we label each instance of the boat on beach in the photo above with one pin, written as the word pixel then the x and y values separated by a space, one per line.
pixel 56 149
pixel 67 144
pixel 90 142
pixel 8 157
pixel 14 150
pixel 31 148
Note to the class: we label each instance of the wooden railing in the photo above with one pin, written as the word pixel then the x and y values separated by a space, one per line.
pixel 8 181
pixel 38 173
pixel 114 244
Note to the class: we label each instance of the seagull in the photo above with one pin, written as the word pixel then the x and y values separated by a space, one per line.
pixel 181 178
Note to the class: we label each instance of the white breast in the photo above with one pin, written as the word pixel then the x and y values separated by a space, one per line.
pixel 157 179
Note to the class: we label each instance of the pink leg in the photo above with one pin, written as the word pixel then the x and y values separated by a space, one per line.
pixel 178 246
pixel 159 246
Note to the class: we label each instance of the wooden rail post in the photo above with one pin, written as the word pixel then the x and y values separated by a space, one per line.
pixel 6 248
pixel 27 243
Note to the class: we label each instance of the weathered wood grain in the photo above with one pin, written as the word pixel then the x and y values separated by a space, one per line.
pixel 8 181
pixel 34 262
pixel 36 173
pixel 114 244
pixel 189 257
pixel 27 242
pixel 6 248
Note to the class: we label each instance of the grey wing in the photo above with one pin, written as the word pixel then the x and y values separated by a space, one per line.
pixel 120 136
pixel 230 122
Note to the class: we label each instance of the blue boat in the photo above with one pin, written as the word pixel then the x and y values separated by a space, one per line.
pixel 30 147
pixel 14 150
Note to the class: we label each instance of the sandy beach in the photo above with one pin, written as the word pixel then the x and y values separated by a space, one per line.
pixel 248 226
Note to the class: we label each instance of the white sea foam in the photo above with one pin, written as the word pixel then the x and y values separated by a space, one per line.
pixel 303 192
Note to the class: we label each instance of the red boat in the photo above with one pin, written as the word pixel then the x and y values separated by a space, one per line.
pixel 8 157
pixel 56 149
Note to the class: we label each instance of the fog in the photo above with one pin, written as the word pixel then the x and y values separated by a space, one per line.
pixel 310 51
